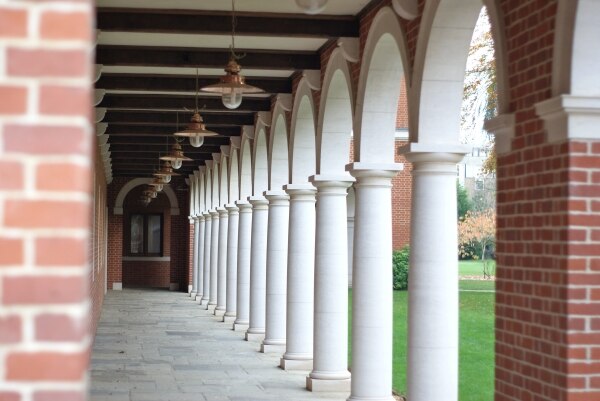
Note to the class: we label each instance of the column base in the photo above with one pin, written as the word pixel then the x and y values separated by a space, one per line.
pixel 190 288
pixel 193 295
pixel 240 326
pixel 203 303
pixel 272 348
pixel 296 364
pixel 254 336
pixel 198 299
pixel 211 307
pixel 219 312
pixel 228 319
pixel 327 385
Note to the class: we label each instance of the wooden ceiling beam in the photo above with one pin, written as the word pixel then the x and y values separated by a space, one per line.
pixel 117 130
pixel 150 56
pixel 219 23
pixel 127 117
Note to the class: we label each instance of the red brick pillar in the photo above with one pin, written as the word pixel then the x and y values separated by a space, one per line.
pixel 45 105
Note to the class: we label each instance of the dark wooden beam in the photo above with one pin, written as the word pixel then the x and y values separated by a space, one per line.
pixel 156 149
pixel 115 130
pixel 153 141
pixel 173 102
pixel 181 83
pixel 205 58
pixel 128 117
pixel 219 23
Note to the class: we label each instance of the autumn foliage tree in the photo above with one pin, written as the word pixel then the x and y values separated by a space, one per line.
pixel 476 236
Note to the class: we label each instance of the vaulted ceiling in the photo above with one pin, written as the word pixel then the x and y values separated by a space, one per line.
pixel 150 54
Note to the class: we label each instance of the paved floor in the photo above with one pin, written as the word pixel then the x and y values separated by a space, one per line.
pixel 160 346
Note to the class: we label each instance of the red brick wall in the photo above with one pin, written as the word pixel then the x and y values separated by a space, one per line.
pixel 45 330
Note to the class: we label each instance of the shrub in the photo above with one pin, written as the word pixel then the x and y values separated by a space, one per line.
pixel 400 267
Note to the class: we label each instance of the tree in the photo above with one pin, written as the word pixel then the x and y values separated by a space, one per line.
pixel 462 200
pixel 477 237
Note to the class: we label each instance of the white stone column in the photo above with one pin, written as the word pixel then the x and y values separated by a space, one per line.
pixel 330 354
pixel 300 279
pixel 214 260
pixel 258 267
pixel 277 254
pixel 372 292
pixel 222 262
pixel 350 222
pixel 242 319
pixel 232 261
pixel 206 267
pixel 194 292
pixel 432 372
pixel 200 258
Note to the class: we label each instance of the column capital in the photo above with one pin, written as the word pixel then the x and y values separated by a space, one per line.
pixel 243 205
pixel 330 181
pixel 206 214
pixel 435 158
pixel 569 117
pixel 213 213
pixel 191 219
pixel 201 217
pixel 301 192
pixel 277 197
pixel 374 174
pixel 258 202
pixel 232 208
pixel 222 211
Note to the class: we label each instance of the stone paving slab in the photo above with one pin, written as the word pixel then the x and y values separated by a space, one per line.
pixel 155 345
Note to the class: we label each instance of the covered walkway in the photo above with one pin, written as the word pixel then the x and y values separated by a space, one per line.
pixel 157 345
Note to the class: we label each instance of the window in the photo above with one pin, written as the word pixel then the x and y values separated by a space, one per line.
pixel 145 231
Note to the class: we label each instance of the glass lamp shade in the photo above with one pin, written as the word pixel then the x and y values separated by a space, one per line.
pixel 196 141
pixel 166 179
pixel 157 184
pixel 232 86
pixel 176 163
pixel 232 98
pixel 176 156
pixel 311 6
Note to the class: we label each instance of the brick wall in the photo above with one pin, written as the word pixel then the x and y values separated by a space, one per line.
pixel 45 198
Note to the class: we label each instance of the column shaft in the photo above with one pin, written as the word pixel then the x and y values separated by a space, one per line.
pixel 350 249
pixel 195 258
pixel 206 270
pixel 200 259
pixel 330 357
pixel 243 266
pixel 214 260
pixel 433 279
pixel 232 261
pixel 258 267
pixel 222 262
pixel 372 292
pixel 300 279
pixel 277 246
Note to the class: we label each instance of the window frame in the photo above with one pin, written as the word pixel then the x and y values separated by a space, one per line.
pixel 146 233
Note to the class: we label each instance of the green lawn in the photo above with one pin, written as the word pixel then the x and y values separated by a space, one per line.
pixel 476 344
pixel 471 267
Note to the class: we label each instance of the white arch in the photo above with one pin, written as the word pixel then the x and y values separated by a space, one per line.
pixel 335 116
pixel 246 169
pixel 278 144
pixel 302 135
pixel 208 185
pixel 118 209
pixel 443 46
pixel 215 181
pixel 224 180
pixel 201 189
pixel 234 175
pixel 382 68
pixel 260 164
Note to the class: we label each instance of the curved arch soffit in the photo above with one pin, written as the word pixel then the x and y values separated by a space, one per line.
pixel 216 188
pixel 278 151
pixel 439 70
pixel 246 147
pixel 303 128
pixel 381 71
pixel 260 163
pixel 234 175
pixel 575 68
pixel 334 125
pixel 224 181
pixel 136 182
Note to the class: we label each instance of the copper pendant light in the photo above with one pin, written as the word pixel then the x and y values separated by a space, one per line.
pixel 176 156
pixel 165 173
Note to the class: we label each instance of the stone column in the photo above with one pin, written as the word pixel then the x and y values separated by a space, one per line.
pixel 350 222
pixel 300 279
pixel 206 270
pixel 330 355
pixel 200 259
pixel 232 260
pixel 372 292
pixel 242 319
pixel 258 267
pixel 432 372
pixel 277 254
pixel 214 260
pixel 194 291
pixel 222 263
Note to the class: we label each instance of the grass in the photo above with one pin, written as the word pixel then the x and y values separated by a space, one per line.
pixel 472 267
pixel 476 371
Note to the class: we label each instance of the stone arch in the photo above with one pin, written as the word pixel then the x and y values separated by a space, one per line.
pixel 382 69
pixel 303 135
pixel 118 209
pixel 234 175
pixel 439 70
pixel 246 147
pixel 260 165
pixel 201 190
pixel 208 185
pixel 577 59
pixel 224 180
pixel 215 181
pixel 278 146
pixel 335 116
